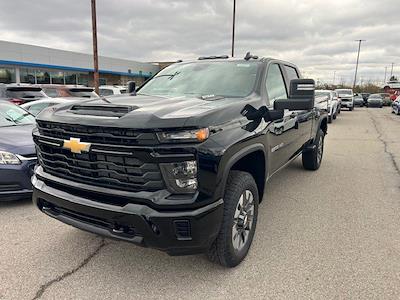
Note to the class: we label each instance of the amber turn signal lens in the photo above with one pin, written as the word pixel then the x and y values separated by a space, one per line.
pixel 202 134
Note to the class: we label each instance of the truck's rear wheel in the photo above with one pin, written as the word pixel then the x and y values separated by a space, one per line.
pixel 239 221
pixel 312 158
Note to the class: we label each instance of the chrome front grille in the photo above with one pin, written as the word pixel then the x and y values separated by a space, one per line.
pixel 106 165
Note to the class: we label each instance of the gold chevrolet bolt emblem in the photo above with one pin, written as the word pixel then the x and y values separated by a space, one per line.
pixel 76 146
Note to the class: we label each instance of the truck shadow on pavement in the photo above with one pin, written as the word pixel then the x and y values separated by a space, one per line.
pixel 16 204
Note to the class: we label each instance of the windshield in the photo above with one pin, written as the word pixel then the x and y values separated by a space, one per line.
pixel 204 79
pixel 319 94
pixel 12 115
pixel 376 96
pixel 344 92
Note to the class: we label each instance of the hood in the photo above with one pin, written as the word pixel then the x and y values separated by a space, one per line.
pixel 145 112
pixel 17 139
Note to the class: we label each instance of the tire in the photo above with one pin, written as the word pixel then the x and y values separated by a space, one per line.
pixel 351 108
pixel 226 250
pixel 335 115
pixel 312 158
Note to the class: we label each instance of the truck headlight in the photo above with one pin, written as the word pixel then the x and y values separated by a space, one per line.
pixel 7 158
pixel 180 177
pixel 196 135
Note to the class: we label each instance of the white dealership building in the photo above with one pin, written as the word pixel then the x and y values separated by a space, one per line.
pixel 23 63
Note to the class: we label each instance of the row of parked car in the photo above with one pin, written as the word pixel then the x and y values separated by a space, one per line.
pixel 35 98
pixel 336 100
pixel 345 98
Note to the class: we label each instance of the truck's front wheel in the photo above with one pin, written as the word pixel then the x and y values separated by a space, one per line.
pixel 312 158
pixel 239 221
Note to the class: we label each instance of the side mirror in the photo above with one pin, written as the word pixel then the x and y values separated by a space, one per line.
pixel 253 114
pixel 301 96
pixel 131 87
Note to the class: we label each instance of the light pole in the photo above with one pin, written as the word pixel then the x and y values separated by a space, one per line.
pixel 233 27
pixel 95 55
pixel 384 81
pixel 391 71
pixel 358 57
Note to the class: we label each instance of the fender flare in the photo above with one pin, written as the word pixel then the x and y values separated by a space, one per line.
pixel 234 159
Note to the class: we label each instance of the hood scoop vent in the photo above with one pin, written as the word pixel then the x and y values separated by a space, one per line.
pixel 102 110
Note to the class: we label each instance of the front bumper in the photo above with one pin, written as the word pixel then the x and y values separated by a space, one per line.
pixel 375 104
pixel 15 181
pixel 347 104
pixel 175 232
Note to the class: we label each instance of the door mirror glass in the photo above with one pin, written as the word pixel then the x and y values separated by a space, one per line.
pixel 301 97
pixel 131 87
pixel 302 88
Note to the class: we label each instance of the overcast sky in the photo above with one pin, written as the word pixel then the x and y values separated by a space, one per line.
pixel 316 35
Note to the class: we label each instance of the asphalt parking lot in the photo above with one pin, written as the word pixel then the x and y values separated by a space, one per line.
pixel 333 233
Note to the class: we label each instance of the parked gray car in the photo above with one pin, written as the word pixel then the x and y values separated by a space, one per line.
pixel 375 100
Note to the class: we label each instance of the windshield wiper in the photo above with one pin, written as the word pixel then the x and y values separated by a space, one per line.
pixel 170 76
pixel 211 97
pixel 20 118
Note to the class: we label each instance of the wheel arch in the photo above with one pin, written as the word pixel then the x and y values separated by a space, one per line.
pixel 251 159
pixel 323 124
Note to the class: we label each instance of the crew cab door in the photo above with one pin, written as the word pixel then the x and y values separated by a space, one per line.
pixel 304 118
pixel 281 132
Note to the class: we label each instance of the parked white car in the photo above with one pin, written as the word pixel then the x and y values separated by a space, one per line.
pixel 108 90
pixel 347 98
pixel 35 107
pixel 333 106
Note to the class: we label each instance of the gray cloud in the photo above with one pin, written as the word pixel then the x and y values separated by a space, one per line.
pixel 317 35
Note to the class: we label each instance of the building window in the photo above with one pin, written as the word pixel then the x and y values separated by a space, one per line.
pixel 42 77
pixel 83 78
pixel 102 81
pixel 70 78
pixel 57 77
pixel 7 75
pixel 27 75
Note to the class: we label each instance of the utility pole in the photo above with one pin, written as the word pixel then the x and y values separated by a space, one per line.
pixel 95 54
pixel 358 57
pixel 233 27
pixel 384 81
pixel 391 71
pixel 334 76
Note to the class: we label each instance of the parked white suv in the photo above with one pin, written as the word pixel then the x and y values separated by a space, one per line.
pixel 347 98
pixel 109 90
pixel 332 103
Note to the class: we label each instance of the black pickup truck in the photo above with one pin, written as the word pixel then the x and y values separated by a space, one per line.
pixel 179 165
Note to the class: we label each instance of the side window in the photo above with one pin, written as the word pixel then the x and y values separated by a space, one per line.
pixel 35 109
pixel 50 92
pixel 291 73
pixel 275 84
pixel 105 92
